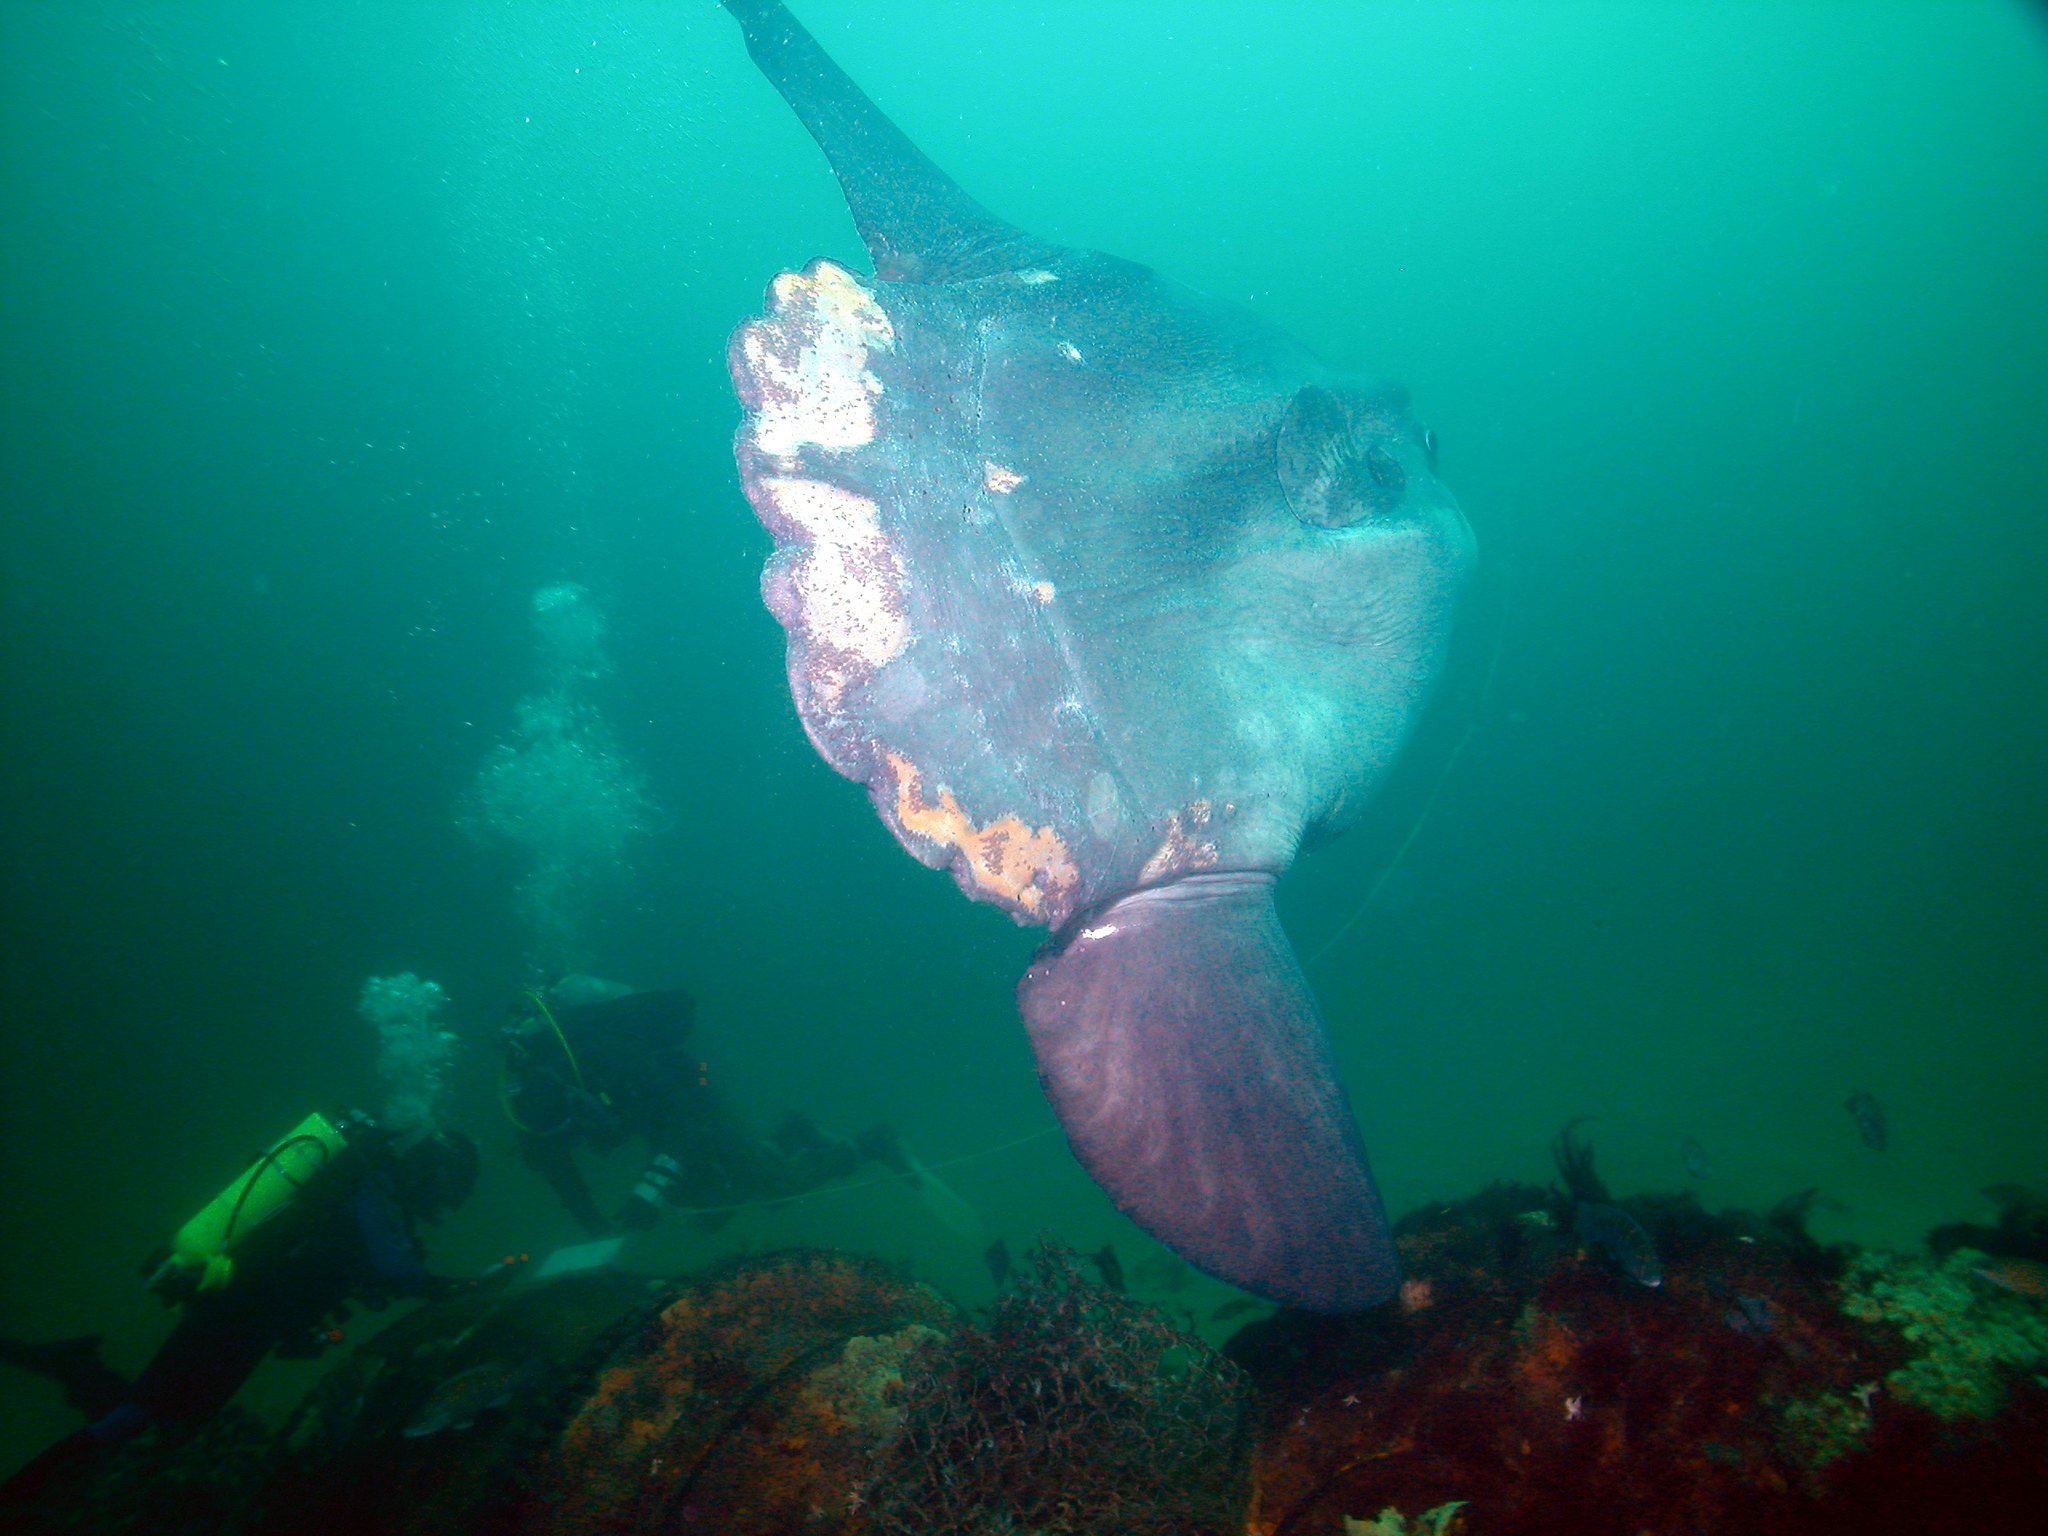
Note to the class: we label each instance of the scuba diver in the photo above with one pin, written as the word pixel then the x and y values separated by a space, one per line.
pixel 325 1219
pixel 591 1064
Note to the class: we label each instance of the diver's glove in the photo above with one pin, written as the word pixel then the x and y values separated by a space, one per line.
pixel 655 1191
pixel 440 1287
pixel 638 1215
pixel 882 1144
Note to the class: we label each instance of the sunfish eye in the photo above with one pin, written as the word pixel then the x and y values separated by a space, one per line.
pixel 1429 445
pixel 1332 474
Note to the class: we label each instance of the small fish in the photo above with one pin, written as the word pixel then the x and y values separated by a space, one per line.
pixel 1165 1273
pixel 1236 1307
pixel 1621 1238
pixel 1109 1267
pixel 1869 1117
pixel 1751 1315
pixel 458 1402
pixel 1790 1217
pixel 997 1258
pixel 2022 1218
pixel 1695 1158
pixel 2016 1197
pixel 2023 1277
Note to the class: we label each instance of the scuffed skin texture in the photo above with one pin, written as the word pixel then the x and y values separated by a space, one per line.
pixel 1059 614
pixel 1106 592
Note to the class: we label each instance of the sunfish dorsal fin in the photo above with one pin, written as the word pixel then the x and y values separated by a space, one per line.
pixel 916 221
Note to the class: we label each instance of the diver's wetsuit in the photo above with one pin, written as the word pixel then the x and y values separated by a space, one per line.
pixel 622 1069
pixel 292 1278
pixel 361 1250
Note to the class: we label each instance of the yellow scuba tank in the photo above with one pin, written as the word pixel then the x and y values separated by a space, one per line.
pixel 202 1254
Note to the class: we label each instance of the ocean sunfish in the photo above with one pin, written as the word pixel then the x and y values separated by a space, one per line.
pixel 1112 595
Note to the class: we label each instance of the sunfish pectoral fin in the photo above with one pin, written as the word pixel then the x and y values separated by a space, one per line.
pixel 1181 1048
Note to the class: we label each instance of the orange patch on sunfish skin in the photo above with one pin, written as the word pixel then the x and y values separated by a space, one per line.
pixel 1029 869
pixel 998 479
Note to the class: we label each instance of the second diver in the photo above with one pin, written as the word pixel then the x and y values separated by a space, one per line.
pixel 591 1065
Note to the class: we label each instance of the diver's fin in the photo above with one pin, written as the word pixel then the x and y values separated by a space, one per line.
pixel 1180 1045
pixel 579 1258
pixel 946 1205
pixel 90 1385
pixel 884 1144
pixel 916 221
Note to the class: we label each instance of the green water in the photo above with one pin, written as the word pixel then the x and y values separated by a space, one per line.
pixel 333 333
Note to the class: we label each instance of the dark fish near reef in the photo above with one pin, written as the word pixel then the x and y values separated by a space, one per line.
pixel 1694 1157
pixel 1751 1315
pixel 2021 1232
pixel 2019 1204
pixel 1791 1216
pixel 1620 1237
pixel 1596 1221
pixel 459 1401
pixel 997 1259
pixel 1113 596
pixel 1163 1274
pixel 1109 1268
pixel 1869 1117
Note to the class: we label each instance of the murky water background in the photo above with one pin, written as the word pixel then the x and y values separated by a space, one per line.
pixel 333 335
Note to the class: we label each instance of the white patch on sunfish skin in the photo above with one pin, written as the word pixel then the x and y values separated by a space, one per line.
pixel 808 362
pixel 1101 807
pixel 848 578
